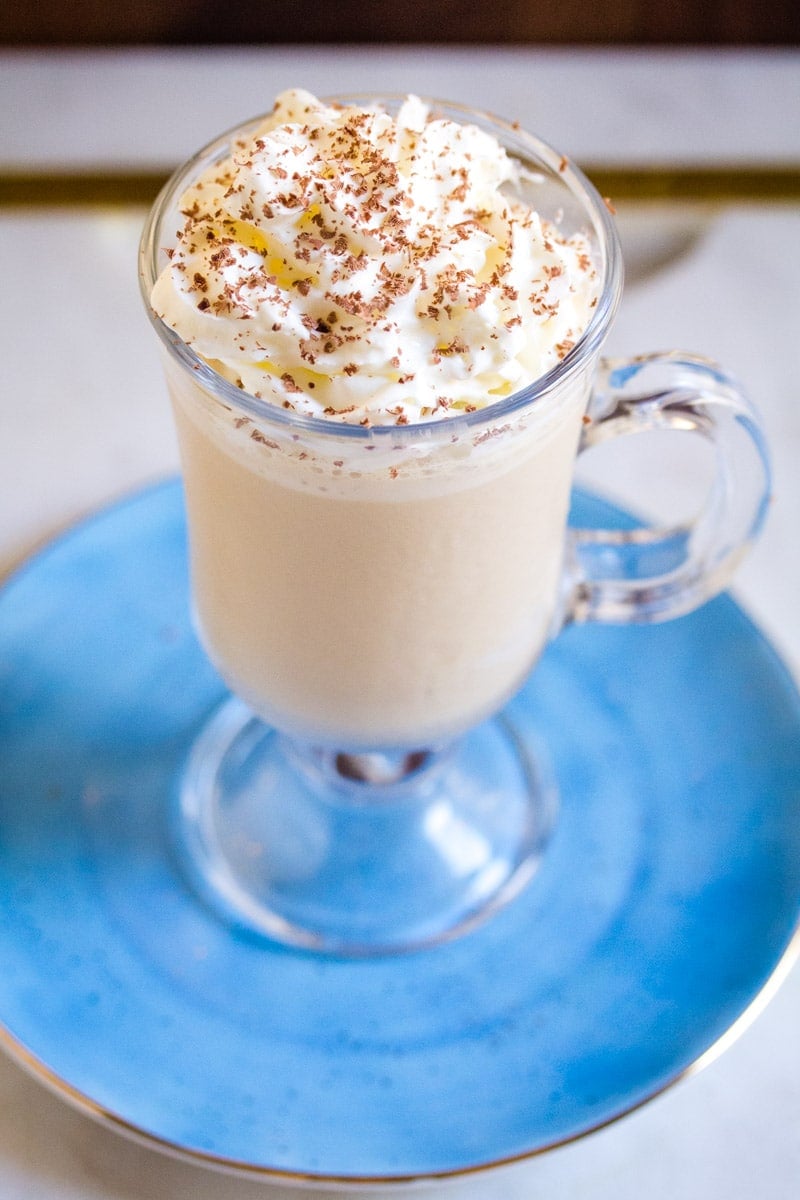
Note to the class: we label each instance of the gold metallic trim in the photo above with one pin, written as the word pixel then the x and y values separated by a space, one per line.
pixel 777 183
pixel 746 184
pixel 39 1070
pixel 79 189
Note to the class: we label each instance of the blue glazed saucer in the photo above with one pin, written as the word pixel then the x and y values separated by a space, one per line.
pixel 665 903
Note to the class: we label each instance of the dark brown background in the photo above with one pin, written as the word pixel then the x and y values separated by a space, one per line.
pixel 553 22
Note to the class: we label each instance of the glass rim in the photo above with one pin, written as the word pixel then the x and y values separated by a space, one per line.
pixel 539 154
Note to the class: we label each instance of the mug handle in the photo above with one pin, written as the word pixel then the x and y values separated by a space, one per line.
pixel 653 574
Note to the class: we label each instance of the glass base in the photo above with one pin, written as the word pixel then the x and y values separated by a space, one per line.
pixel 359 854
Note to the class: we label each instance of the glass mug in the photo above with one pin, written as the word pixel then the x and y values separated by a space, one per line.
pixel 374 596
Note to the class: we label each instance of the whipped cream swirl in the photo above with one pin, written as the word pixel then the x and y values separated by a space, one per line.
pixel 346 263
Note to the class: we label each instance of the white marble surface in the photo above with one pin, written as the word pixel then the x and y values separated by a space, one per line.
pixel 83 418
pixel 616 106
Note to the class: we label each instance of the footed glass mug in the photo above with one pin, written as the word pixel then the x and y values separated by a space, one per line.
pixel 374 596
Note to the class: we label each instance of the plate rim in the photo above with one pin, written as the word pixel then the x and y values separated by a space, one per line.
pixel 107 1118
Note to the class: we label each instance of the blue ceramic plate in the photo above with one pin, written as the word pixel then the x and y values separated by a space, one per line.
pixel 665 902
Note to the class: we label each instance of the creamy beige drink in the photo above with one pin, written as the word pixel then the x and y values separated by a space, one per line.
pixel 376 535
pixel 374 605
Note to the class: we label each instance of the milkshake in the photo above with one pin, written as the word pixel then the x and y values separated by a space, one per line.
pixel 376 516
pixel 382 325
